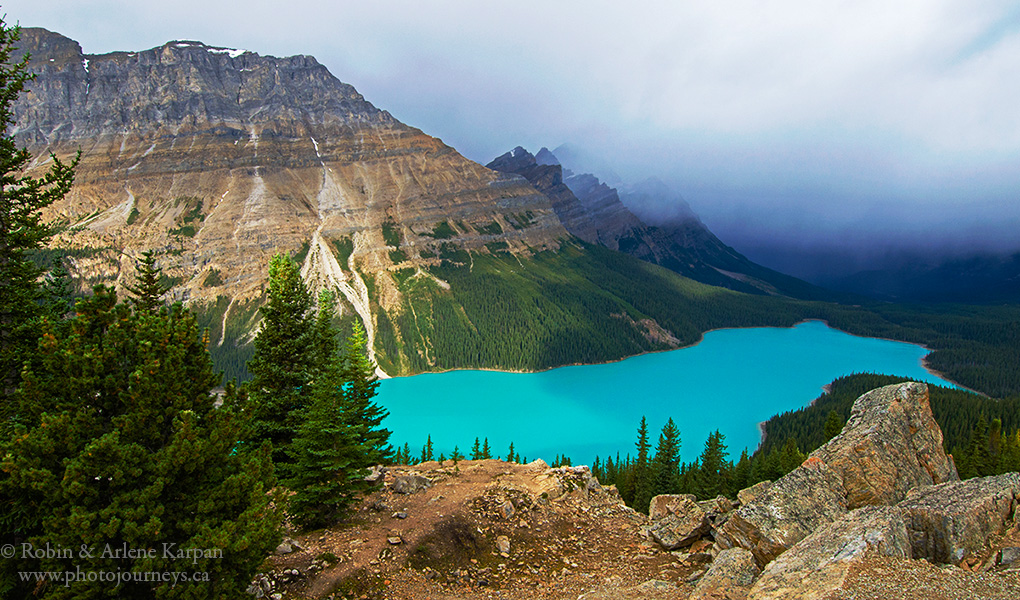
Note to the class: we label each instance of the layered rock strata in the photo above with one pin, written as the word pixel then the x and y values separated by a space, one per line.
pixel 218 158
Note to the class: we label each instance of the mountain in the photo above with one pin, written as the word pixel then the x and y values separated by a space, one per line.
pixel 679 241
pixel 217 158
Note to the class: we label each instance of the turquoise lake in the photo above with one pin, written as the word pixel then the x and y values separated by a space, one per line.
pixel 733 380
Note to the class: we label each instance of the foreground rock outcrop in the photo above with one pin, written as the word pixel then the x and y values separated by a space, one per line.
pixel 890 445
pixel 822 561
pixel 883 489
pixel 805 499
pixel 678 521
pixel 953 521
pixel 729 578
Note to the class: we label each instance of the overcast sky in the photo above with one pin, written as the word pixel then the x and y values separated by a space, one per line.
pixel 809 120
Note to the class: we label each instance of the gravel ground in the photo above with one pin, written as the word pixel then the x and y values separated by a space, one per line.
pixel 565 542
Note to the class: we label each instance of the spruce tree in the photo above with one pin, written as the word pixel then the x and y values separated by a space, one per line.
pixel 978 455
pixel 833 425
pixel 325 343
pixel 282 360
pixel 642 471
pixel 361 411
pixel 486 451
pixel 149 288
pixel 741 474
pixel 426 450
pixel 789 458
pixel 713 470
pixel 122 446
pixel 666 465
pixel 328 467
pixel 21 227
pixel 58 291
pixel 476 450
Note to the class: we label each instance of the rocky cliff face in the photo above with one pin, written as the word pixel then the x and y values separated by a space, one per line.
pixel 218 158
pixel 679 241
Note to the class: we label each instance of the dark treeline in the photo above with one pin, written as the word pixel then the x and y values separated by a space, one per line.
pixel 983 435
pixel 956 411
pixel 582 302
pixel 975 346
pixel 660 471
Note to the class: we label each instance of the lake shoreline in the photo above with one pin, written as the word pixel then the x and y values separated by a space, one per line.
pixel 924 361
pixel 733 383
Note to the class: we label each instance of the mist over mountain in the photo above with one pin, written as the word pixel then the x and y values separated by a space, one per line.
pixel 894 252
pixel 981 278
pixel 673 237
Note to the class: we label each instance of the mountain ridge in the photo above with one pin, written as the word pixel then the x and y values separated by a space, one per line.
pixel 216 159
pixel 680 242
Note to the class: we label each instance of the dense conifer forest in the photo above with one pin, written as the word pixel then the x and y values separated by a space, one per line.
pixel 981 433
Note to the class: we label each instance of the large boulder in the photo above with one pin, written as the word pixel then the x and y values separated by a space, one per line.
pixel 750 494
pixel 890 444
pixel 820 563
pixel 666 504
pixel 729 578
pixel 793 506
pixel 684 523
pixel 951 521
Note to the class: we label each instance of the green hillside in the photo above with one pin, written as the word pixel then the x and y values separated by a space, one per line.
pixel 580 304
pixel 587 304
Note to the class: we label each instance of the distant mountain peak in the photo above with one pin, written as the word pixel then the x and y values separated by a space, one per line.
pixel 545 157
pixel 647 220
pixel 513 161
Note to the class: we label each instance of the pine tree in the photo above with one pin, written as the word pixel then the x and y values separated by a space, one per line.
pixel 149 289
pixel 511 456
pixel 456 456
pixel 426 450
pixel 280 366
pixel 124 447
pixel 476 450
pixel 833 425
pixel 789 458
pixel 325 345
pixel 360 385
pixel 994 445
pixel 1009 457
pixel 328 463
pixel 21 228
pixel 58 291
pixel 642 471
pixel 978 455
pixel 486 451
pixel 741 474
pixel 713 470
pixel 666 464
